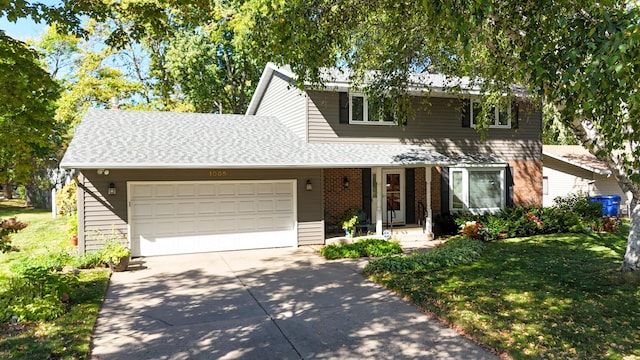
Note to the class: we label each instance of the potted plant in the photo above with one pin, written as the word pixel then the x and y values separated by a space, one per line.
pixel 348 221
pixel 116 255
pixel 72 228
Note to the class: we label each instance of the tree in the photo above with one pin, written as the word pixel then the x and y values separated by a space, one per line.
pixel 29 133
pixel 197 61
pixel 582 57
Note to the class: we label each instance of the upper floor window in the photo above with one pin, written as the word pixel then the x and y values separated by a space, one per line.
pixel 498 117
pixel 363 111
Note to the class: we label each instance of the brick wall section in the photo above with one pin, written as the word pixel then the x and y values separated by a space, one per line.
pixel 527 180
pixel 337 199
pixel 421 194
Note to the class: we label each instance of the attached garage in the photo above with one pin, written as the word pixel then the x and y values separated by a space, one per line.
pixel 189 217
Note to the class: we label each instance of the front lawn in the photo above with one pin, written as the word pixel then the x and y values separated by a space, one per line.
pixel 548 296
pixel 67 336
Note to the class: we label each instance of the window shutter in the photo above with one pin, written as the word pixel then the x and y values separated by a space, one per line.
pixel 344 108
pixel 444 190
pixel 366 193
pixel 508 183
pixel 514 115
pixel 465 111
pixel 410 196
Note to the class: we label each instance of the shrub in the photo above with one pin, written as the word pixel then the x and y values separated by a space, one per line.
pixel 456 251
pixel 89 260
pixel 38 291
pixel 361 248
pixel 444 224
pixel 66 199
pixel 8 227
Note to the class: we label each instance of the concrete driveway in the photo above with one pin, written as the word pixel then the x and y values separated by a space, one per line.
pixel 264 304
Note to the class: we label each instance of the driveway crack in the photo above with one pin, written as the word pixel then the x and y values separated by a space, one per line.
pixel 271 318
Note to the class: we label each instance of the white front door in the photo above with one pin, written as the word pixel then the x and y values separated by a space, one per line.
pixel 393 199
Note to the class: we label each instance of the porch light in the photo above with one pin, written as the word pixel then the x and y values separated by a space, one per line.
pixel 112 189
pixel 308 186
pixel 345 182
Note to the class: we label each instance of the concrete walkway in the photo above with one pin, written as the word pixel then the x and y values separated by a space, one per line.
pixel 264 304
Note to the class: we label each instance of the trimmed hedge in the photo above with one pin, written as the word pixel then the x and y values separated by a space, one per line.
pixel 361 248
pixel 456 251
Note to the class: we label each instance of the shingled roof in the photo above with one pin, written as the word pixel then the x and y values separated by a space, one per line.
pixel 169 140
pixel 578 156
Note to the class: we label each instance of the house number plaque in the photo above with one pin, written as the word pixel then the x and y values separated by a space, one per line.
pixel 218 173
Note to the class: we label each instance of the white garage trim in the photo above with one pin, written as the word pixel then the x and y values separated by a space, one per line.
pixel 175 217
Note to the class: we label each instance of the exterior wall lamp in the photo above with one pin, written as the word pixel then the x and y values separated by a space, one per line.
pixel 308 185
pixel 345 182
pixel 112 189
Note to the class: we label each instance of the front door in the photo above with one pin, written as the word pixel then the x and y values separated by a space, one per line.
pixel 393 199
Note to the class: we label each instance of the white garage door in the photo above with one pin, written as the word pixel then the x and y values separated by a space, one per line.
pixel 187 217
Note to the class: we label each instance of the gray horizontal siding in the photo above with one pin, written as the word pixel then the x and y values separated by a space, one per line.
pixel 99 222
pixel 438 126
pixel 103 213
pixel 311 233
pixel 286 102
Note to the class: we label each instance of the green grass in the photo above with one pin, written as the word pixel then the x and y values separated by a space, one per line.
pixel 68 336
pixel 552 297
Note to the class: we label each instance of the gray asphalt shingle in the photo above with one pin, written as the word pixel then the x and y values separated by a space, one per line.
pixel 144 139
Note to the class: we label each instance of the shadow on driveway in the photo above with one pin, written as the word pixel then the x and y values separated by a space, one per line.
pixel 264 304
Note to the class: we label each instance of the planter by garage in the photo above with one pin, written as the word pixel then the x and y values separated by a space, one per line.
pixel 122 264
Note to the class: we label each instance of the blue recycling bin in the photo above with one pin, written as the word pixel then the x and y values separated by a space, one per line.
pixel 610 204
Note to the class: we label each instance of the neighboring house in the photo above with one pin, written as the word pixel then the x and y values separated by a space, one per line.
pixel 571 169
pixel 283 174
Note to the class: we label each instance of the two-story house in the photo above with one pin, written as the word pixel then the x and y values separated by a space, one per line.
pixel 284 173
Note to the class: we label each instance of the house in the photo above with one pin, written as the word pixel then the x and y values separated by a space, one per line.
pixel 572 169
pixel 284 173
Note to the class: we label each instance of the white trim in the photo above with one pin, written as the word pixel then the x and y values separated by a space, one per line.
pixel 293 182
pixel 377 172
pixel 465 188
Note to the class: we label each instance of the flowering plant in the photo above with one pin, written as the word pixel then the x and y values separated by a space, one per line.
pixel 8 227
pixel 535 219
pixel 473 230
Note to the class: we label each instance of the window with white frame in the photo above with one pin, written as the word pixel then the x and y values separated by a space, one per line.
pixel 477 189
pixel 363 111
pixel 499 117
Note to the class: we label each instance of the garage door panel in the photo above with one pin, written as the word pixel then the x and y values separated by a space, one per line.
pixel 206 189
pixel 186 209
pixel 142 191
pixel 226 189
pixel 282 188
pixel 247 206
pixel 165 208
pixel 245 189
pixel 265 205
pixel 264 189
pixel 164 191
pixel 187 217
pixel 186 190
pixel 142 209
pixel 207 207
pixel 284 205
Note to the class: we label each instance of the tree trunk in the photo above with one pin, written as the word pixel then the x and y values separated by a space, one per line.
pixel 7 190
pixel 631 261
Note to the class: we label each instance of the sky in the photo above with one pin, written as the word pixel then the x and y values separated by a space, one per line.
pixel 25 28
